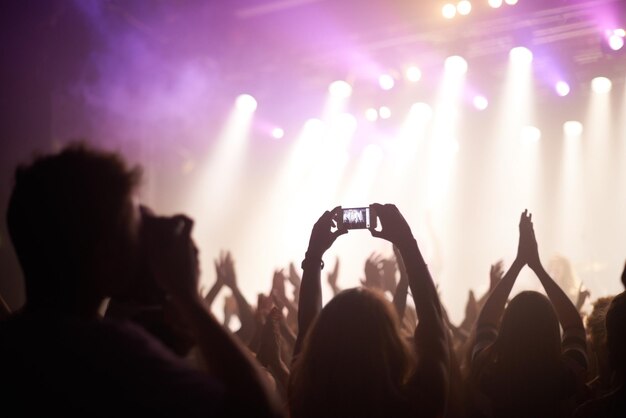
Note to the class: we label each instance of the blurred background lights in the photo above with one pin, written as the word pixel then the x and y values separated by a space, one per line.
pixel 278 133
pixel 511 2
pixel 386 82
pixel 464 7
pixel 413 74
pixel 572 128
pixel 246 103
pixel 530 134
pixel 521 55
pixel 562 88
pixel 456 65
pixel 601 85
pixel 620 32
pixel 384 112
pixel 480 102
pixel 448 11
pixel 495 3
pixel 371 114
pixel 340 89
pixel 616 42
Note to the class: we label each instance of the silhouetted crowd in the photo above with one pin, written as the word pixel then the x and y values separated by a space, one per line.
pixel 115 325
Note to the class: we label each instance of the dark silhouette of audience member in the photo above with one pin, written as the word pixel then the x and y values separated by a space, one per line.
pixel 612 405
pixel 351 360
pixel 602 382
pixel 78 233
pixel 521 367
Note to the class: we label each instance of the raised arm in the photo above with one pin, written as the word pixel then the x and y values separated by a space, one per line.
pixel 402 289
pixel 310 303
pixel 175 267
pixel 246 313
pixel 492 310
pixel 566 311
pixel 215 289
pixel 432 375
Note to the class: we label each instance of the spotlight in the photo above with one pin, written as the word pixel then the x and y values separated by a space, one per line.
pixel 340 89
pixel 246 103
pixel 386 82
pixel 456 65
pixel 572 128
pixel 495 3
pixel 530 134
pixel 616 42
pixel 464 7
pixel 601 85
pixel 413 74
pixel 521 55
pixel 562 88
pixel 371 114
pixel 480 102
pixel 384 112
pixel 448 11
pixel 620 32
pixel 278 133
pixel 511 2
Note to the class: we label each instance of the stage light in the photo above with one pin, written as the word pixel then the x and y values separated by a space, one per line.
pixel 530 134
pixel 495 3
pixel 480 102
pixel 371 114
pixel 616 42
pixel 246 103
pixel 511 2
pixel 601 85
pixel 340 89
pixel 456 65
pixel 421 111
pixel 572 129
pixel 620 32
pixel 562 88
pixel 386 82
pixel 521 55
pixel 448 11
pixel 278 133
pixel 384 112
pixel 464 7
pixel 413 74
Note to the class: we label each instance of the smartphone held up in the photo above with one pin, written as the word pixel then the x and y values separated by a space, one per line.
pixel 357 218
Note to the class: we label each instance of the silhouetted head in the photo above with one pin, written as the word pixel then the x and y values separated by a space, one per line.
pixel 616 333
pixel 529 333
pixel 354 361
pixel 74 226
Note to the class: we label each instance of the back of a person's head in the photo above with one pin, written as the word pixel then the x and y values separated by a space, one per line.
pixel 616 333
pixel 596 321
pixel 529 337
pixel 354 361
pixel 68 212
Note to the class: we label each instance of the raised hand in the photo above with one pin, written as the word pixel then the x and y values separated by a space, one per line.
pixel 495 274
pixel 528 251
pixel 395 229
pixel 278 286
pixel 226 267
pixel 322 236
pixel 172 255
pixel 373 272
